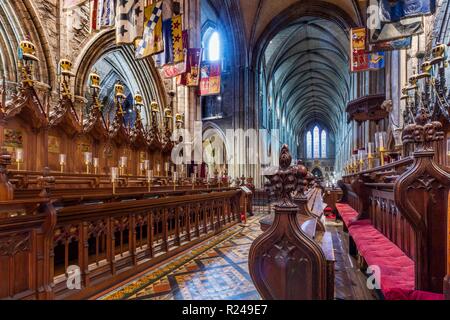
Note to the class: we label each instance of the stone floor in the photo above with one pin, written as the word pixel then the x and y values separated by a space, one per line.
pixel 218 269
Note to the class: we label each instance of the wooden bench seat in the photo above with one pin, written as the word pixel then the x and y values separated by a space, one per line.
pixel 397 273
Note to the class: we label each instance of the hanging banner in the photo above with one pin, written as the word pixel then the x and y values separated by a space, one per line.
pixel 177 68
pixel 391 45
pixel 177 39
pixel 191 77
pixel 358 56
pixel 376 60
pixel 396 30
pixel 210 78
pixel 152 39
pixel 130 21
pixel 392 11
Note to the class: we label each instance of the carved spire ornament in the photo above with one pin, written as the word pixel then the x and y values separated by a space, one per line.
pixel 153 133
pixel 64 114
pixel 25 103
pixel 94 122
pixel 284 263
pixel 137 135
pixel 117 130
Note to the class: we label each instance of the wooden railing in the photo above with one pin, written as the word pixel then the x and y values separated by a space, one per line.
pixel 115 240
pixel 97 237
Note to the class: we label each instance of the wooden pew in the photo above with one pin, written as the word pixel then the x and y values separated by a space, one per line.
pixel 293 258
pixel 403 205
pixel 108 240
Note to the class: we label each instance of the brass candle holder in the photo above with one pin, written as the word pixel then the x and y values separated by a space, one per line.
pixel 370 160
pixel 149 179
pixel 382 152
pixel 114 176
pixel 96 164
pixel 174 177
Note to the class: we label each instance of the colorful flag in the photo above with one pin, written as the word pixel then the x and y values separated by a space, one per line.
pixel 129 21
pixel 396 30
pixel 108 13
pixel 376 60
pixel 95 9
pixel 191 77
pixel 177 39
pixel 358 55
pixel 391 45
pixel 152 40
pixel 391 11
pixel 210 78
pixel 177 68
pixel 167 55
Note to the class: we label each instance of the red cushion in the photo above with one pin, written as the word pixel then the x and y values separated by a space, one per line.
pixel 401 294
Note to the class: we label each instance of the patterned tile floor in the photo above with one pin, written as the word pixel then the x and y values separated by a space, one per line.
pixel 217 269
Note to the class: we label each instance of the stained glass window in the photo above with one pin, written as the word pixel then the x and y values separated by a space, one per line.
pixel 309 145
pixel 323 144
pixel 316 143
pixel 214 47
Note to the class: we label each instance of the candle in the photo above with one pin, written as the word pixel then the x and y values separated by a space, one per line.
pixel 147 164
pixel 158 168
pixel 114 174
pixel 361 155
pixel 62 159
pixel 87 158
pixel 370 148
pixel 123 161
pixel 166 167
pixel 149 175
pixel 96 162
pixel 19 155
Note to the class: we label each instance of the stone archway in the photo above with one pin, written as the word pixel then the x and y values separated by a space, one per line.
pixel 145 77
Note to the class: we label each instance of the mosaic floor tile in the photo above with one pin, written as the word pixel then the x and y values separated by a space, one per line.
pixel 218 269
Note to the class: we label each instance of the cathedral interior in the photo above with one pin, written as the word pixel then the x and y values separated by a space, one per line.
pixel 224 150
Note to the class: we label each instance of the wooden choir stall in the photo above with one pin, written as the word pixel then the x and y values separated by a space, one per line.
pixel 293 259
pixel 86 202
pixel 397 215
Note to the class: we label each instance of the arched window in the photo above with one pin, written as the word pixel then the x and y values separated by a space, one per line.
pixel 316 143
pixel 323 144
pixel 214 47
pixel 309 145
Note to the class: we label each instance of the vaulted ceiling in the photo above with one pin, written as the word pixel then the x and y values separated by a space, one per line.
pixel 306 69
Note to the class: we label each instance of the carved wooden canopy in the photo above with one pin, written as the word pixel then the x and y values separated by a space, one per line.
pixel 65 117
pixel 25 104
pixel 117 131
pixel 95 125
pixel 137 134
pixel 367 108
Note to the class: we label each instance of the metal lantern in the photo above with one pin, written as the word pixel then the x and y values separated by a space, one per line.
pixel 27 51
pixel 119 91
pixel 94 80
pixel 138 100
pixel 66 67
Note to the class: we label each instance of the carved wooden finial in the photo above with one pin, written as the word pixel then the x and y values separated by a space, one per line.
pixel 423 133
pixel 284 181
pixel 46 182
